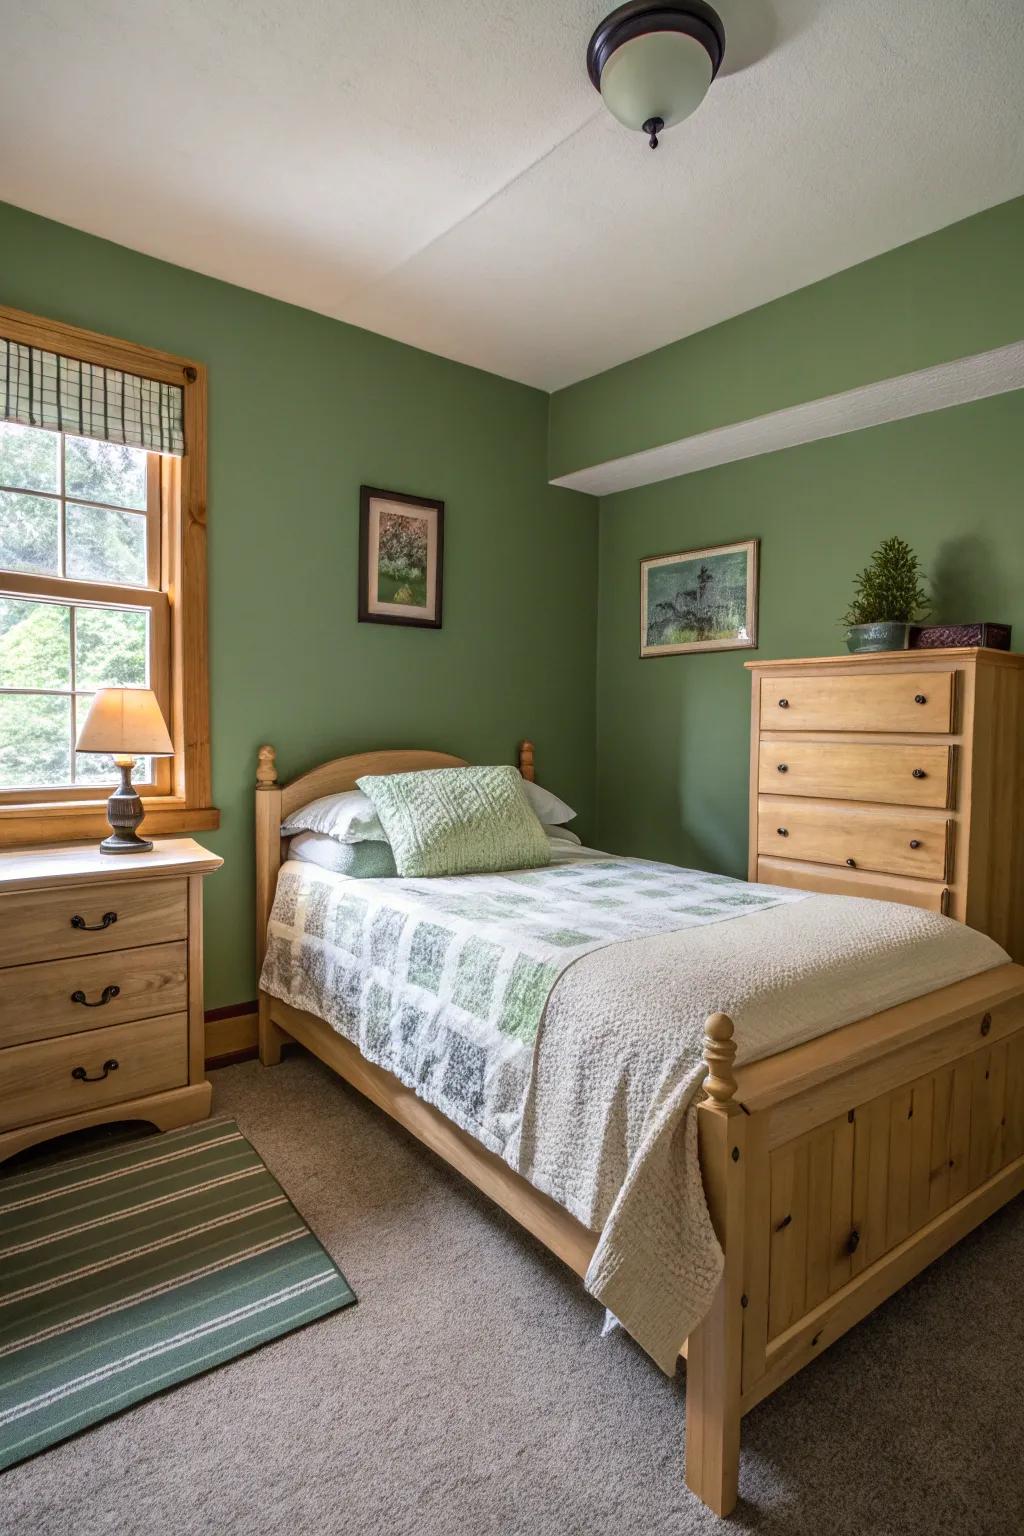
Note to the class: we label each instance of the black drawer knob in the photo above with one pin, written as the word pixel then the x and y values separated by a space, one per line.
pixel 853 1241
pixel 783 703
pixel 852 863
pixel 915 842
pixel 80 1074
pixel 783 767
pixel 782 831
pixel 105 922
pixel 104 997
pixel 919 773
pixel 986 1023
pixel 919 698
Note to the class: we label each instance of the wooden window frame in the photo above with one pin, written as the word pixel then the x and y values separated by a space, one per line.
pixel 182 802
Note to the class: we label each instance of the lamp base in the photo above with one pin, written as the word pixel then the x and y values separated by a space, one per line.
pixel 125 842
pixel 124 813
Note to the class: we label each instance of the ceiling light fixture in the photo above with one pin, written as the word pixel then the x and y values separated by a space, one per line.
pixel 653 63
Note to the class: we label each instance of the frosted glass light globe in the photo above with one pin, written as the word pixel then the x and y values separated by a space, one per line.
pixel 653 61
pixel 662 74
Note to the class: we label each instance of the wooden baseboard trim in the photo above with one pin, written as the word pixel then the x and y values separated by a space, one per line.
pixel 231 1034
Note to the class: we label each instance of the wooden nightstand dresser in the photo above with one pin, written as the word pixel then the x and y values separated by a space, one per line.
pixel 101 989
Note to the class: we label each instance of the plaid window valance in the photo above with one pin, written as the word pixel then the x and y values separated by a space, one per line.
pixel 43 389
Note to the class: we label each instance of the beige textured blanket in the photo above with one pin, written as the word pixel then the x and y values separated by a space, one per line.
pixel 610 1129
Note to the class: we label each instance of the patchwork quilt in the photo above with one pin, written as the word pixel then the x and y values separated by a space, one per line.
pixel 444 981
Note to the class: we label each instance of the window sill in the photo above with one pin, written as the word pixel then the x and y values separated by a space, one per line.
pixel 70 820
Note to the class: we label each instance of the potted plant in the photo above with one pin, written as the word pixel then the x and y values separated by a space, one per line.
pixel 888 599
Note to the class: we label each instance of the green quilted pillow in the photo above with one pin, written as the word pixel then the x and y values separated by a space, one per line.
pixel 458 821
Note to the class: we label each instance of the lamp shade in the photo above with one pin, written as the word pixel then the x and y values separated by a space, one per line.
pixel 126 722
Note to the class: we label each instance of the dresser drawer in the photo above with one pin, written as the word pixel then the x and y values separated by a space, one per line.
pixel 837 880
pixel 900 701
pixel 839 770
pixel 85 919
pixel 37 1001
pixel 857 839
pixel 37 1081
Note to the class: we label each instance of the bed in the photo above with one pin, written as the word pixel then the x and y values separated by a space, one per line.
pixel 833 1170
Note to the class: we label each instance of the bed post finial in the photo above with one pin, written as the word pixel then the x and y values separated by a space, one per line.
pixel 266 769
pixel 719 1053
pixel 526 760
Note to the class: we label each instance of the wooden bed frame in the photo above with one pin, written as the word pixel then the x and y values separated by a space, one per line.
pixel 834 1171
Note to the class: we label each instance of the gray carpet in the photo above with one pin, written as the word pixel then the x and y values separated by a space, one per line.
pixel 469 1392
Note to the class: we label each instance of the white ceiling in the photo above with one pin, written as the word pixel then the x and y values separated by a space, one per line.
pixel 443 172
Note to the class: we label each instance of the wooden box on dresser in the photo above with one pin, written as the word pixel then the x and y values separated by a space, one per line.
pixel 897 775
pixel 101 989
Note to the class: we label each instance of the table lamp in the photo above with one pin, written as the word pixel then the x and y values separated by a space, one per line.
pixel 127 723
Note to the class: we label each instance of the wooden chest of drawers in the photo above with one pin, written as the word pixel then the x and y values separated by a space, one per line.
pixel 101 989
pixel 898 776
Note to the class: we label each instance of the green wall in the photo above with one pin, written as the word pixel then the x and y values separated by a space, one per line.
pixel 953 293
pixel 673 732
pixel 302 410
pixel 516 657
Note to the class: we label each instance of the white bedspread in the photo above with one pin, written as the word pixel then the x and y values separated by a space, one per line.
pixel 583 1080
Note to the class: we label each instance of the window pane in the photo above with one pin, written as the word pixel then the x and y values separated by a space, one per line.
pixel 99 767
pixel 105 472
pixel 29 534
pixel 106 546
pixel 29 458
pixel 35 740
pixel 111 647
pixel 35 644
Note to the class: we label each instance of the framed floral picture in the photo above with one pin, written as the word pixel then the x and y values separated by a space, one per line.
pixel 700 600
pixel 401 550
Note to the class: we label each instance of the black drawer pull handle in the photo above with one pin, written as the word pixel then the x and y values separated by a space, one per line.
pixel 782 831
pixel 915 842
pixel 783 703
pixel 105 996
pixel 783 767
pixel 919 698
pixel 80 1075
pixel 919 773
pixel 852 863
pixel 853 1241
pixel 107 919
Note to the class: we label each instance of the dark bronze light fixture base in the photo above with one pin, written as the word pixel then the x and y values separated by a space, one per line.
pixel 124 812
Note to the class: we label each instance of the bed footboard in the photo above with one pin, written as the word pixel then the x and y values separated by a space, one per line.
pixel 835 1173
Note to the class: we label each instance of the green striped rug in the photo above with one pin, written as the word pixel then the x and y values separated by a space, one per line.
pixel 128 1270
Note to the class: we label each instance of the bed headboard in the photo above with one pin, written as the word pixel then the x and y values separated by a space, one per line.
pixel 275 802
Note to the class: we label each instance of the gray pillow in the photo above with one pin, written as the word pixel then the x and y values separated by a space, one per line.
pixel 363 861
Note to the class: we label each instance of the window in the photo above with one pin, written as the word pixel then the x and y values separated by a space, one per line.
pixel 102 575
pixel 80 602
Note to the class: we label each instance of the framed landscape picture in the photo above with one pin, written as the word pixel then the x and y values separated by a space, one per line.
pixel 401 548
pixel 700 600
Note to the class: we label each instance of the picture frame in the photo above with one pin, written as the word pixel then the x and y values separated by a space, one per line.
pixel 401 558
pixel 700 600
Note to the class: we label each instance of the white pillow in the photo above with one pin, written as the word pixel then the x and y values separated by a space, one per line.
pixel 564 835
pixel 369 860
pixel 347 817
pixel 547 808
